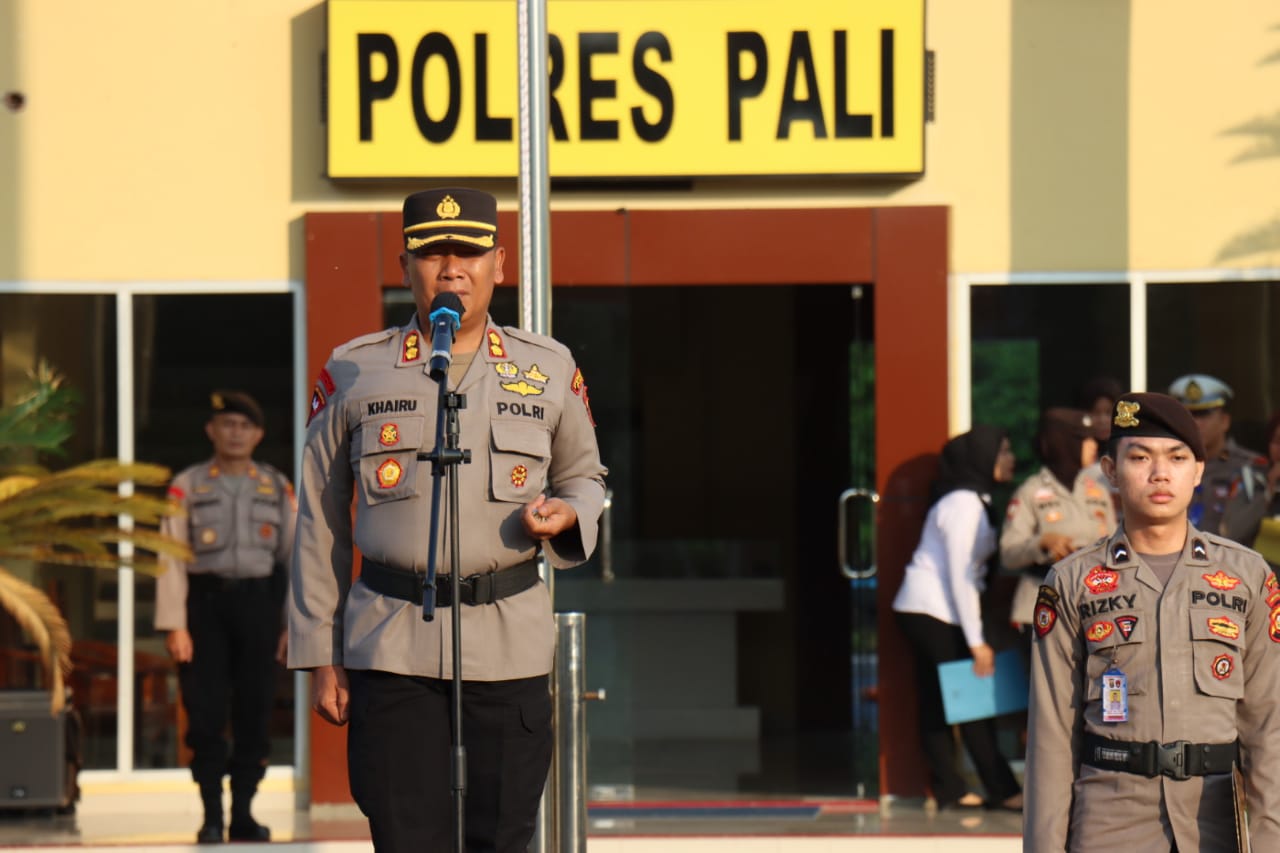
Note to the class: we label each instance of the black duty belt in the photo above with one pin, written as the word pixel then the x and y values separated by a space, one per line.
pixel 1179 760
pixel 208 580
pixel 475 589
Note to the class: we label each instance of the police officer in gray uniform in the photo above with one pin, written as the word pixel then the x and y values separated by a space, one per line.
pixel 1155 668
pixel 223 613
pixel 1232 497
pixel 535 483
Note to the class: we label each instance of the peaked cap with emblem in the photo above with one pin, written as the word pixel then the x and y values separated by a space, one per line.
pixel 1155 415
pixel 1200 392
pixel 236 402
pixel 450 215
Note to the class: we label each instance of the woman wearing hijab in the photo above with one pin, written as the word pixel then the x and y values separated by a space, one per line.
pixel 1059 509
pixel 938 608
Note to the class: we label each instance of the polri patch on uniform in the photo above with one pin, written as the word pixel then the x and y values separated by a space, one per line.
pixel 208 536
pixel 1101 579
pixel 1221 626
pixel 320 395
pixel 265 531
pixel 389 473
pixel 1126 624
pixel 1273 598
pixel 1223 666
pixel 1273 628
pixel 519 476
pixel 1046 612
pixel 1099 631
pixel 177 494
pixel 389 435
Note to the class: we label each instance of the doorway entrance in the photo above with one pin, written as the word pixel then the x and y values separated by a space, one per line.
pixel 723 352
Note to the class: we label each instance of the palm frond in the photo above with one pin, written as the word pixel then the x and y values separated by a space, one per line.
pixel 40 619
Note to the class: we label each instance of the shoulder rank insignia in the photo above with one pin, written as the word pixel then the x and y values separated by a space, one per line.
pixel 1198 551
pixel 411 348
pixel 1119 553
pixel 496 348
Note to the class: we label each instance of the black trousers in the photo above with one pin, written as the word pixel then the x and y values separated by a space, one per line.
pixel 399 756
pixel 234 630
pixel 935 642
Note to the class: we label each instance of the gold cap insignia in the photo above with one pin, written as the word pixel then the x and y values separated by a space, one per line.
pixel 1125 412
pixel 448 208
pixel 1194 392
pixel 215 400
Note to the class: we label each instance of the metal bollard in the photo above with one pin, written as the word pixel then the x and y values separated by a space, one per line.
pixel 562 817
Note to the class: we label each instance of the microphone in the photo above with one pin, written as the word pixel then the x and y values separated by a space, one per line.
pixel 445 318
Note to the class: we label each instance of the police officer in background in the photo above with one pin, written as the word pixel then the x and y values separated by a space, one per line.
pixel 223 613
pixel 1155 667
pixel 535 483
pixel 1231 500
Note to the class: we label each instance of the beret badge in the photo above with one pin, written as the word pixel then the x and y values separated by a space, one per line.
pixel 1125 412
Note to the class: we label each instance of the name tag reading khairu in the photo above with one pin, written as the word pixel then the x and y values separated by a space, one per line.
pixel 1115 696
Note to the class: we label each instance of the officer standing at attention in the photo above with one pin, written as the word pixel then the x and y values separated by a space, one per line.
pixel 223 613
pixel 534 483
pixel 1231 499
pixel 1155 667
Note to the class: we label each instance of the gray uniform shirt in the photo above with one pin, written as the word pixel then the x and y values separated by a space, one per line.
pixel 527 423
pixel 237 527
pixel 1042 505
pixel 1202 660
pixel 1232 497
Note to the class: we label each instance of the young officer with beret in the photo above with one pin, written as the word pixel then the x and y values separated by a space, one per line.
pixel 534 483
pixel 1155 667
pixel 222 613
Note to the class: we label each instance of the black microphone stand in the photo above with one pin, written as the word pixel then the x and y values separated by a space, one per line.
pixel 445 458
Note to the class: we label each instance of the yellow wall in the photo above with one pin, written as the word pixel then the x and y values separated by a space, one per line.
pixel 168 140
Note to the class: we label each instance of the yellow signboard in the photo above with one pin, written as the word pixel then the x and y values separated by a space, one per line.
pixel 638 88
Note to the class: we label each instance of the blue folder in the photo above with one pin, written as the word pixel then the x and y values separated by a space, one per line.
pixel 967 697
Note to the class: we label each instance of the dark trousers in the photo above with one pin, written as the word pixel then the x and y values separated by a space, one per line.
pixel 399 756
pixel 234 629
pixel 935 642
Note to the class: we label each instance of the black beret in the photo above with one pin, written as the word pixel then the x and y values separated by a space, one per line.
pixel 236 402
pixel 1156 415
pixel 450 215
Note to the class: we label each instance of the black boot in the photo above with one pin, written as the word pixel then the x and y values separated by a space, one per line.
pixel 243 827
pixel 211 831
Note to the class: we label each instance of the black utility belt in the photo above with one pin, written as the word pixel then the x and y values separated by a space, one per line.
pixel 209 580
pixel 1179 760
pixel 475 589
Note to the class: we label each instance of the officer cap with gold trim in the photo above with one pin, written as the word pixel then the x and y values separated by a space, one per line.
pixel 450 215
pixel 1200 392
pixel 1155 415
pixel 236 402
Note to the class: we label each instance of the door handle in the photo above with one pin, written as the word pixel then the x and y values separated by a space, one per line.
pixel 848 569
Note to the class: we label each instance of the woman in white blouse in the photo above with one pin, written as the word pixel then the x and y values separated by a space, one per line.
pixel 938 608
